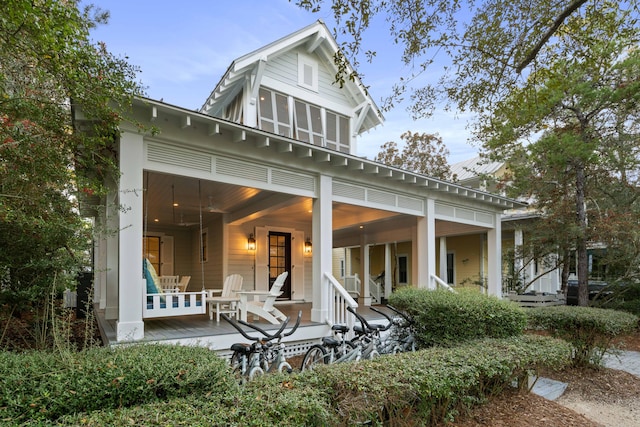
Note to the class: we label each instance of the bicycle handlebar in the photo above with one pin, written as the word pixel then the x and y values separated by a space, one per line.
pixel 365 325
pixel 407 318
pixel 294 326
pixel 381 312
pixel 268 336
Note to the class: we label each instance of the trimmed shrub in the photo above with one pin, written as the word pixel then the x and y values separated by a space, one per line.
pixel 431 385
pixel 44 385
pixel 589 330
pixel 445 318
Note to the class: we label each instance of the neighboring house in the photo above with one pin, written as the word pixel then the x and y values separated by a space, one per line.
pixel 264 179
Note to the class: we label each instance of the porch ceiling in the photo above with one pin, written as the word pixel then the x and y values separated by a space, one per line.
pixel 242 204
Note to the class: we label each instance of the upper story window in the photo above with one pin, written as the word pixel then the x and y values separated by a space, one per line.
pixel 307 122
pixel 273 113
pixel 307 72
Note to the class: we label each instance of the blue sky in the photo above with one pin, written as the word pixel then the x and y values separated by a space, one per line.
pixel 184 47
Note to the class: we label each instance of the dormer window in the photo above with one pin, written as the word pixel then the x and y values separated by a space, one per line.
pixel 307 72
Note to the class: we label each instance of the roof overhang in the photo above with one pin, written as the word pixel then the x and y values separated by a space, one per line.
pixel 265 140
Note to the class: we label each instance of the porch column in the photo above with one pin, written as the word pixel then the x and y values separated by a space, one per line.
pixel 100 261
pixel 322 236
pixel 388 271
pixel 518 262
pixel 425 247
pixel 111 274
pixel 130 326
pixel 366 275
pixel 443 260
pixel 494 258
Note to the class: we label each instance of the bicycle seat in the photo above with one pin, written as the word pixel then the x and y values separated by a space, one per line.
pixel 340 328
pixel 330 342
pixel 241 347
pixel 358 329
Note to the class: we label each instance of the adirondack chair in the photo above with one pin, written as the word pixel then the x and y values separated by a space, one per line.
pixel 183 283
pixel 265 309
pixel 227 302
pixel 168 283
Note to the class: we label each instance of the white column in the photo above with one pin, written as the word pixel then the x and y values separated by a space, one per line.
pixel 130 326
pixel 388 270
pixel 322 237
pixel 366 276
pixel 494 255
pixel 425 248
pixel 443 259
pixel 112 214
pixel 518 262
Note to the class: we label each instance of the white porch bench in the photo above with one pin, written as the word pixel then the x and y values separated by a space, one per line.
pixel 174 304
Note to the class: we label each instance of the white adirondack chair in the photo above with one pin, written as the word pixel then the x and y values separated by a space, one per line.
pixel 265 308
pixel 227 302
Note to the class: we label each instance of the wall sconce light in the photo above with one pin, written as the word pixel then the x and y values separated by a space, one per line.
pixel 307 246
pixel 251 243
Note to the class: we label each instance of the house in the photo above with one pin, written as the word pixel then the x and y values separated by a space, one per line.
pixel 264 178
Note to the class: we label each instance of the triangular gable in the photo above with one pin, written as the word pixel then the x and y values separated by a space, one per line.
pixel 248 72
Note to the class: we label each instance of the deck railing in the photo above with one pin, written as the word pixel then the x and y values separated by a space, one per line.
pixel 441 283
pixel 339 300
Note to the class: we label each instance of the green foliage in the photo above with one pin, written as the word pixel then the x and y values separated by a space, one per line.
pixel 432 385
pixel 44 385
pixel 589 330
pixel 422 153
pixel 623 297
pixel 445 318
pixel 49 69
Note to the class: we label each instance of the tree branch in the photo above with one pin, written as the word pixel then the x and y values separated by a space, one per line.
pixel 550 32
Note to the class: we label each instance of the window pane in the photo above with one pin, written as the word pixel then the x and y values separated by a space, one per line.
pixel 331 127
pixel 308 75
pixel 344 131
pixel 316 119
pixel 282 109
pixel 268 126
pixel 266 109
pixel 301 116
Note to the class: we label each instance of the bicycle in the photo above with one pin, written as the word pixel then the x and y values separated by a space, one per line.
pixel 333 350
pixel 259 357
pixel 400 337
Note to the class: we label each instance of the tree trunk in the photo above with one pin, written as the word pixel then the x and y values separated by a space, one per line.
pixel 581 241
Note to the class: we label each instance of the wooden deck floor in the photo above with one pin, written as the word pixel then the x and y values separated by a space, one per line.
pixel 199 330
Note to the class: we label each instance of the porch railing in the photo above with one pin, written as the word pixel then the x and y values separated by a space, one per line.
pixel 441 284
pixel 376 291
pixel 174 304
pixel 339 300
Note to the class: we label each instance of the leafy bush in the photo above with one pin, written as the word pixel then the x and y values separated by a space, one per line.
pixel 590 330
pixel 445 318
pixel 44 385
pixel 431 385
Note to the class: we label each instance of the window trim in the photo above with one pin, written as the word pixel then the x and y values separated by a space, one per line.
pixel 303 62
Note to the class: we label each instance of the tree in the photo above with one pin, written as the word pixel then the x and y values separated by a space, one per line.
pixel 585 105
pixel 48 68
pixel 422 153
pixel 551 63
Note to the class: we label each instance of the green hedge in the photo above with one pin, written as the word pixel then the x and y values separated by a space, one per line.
pixel 590 330
pixel 45 385
pixel 445 318
pixel 432 385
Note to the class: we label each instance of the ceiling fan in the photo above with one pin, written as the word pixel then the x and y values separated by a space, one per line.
pixel 213 208
pixel 182 222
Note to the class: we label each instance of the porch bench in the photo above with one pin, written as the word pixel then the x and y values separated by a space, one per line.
pixel 174 304
pixel 537 299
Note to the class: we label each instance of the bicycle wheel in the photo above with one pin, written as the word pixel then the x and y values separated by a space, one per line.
pixel 285 367
pixel 348 347
pixel 238 359
pixel 316 355
pixel 256 371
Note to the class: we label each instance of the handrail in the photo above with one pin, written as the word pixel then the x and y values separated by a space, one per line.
pixel 442 284
pixel 375 290
pixel 339 300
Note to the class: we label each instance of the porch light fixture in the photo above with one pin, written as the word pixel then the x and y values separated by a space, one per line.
pixel 307 246
pixel 251 243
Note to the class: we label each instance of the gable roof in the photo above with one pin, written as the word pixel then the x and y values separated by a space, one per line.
pixel 315 38
pixel 471 169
